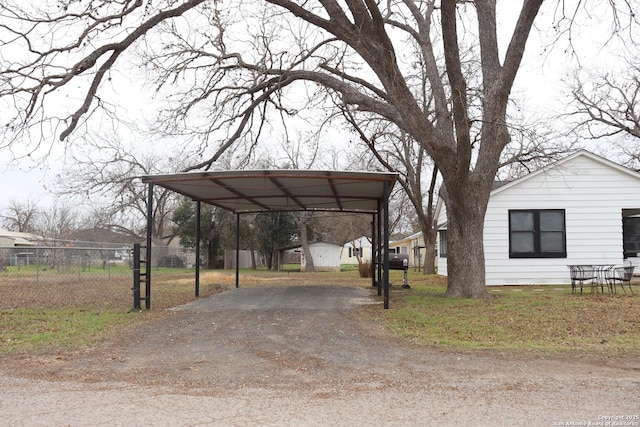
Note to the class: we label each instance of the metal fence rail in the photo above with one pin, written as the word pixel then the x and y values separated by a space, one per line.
pixel 45 276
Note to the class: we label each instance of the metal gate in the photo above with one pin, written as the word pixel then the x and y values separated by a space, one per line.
pixel 140 277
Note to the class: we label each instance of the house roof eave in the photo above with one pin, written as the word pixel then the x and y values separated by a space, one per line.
pixel 555 165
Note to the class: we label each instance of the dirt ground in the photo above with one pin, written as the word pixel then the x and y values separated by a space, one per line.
pixel 303 356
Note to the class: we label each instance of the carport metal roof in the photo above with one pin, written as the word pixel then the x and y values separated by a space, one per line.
pixel 246 191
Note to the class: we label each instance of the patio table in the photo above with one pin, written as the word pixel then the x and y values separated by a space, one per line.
pixel 594 274
pixel 601 275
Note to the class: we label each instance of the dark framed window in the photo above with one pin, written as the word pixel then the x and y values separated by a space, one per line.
pixel 442 239
pixel 631 236
pixel 537 233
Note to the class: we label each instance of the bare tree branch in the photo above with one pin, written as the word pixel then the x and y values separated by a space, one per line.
pixel 607 104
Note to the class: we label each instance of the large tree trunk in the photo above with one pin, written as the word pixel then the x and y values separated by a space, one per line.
pixel 465 241
pixel 465 258
pixel 429 237
pixel 269 259
pixel 253 256
pixel 304 242
pixel 211 255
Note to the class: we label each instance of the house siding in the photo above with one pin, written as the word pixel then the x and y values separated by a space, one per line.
pixel 593 194
pixel 441 218
pixel 347 256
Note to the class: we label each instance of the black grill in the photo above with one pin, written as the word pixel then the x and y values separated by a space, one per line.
pixel 399 262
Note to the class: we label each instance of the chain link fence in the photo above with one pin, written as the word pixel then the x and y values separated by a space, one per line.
pixel 84 276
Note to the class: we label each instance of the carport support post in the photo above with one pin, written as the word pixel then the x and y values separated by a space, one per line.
pixel 237 250
pixel 386 244
pixel 379 249
pixel 373 250
pixel 198 237
pixel 147 301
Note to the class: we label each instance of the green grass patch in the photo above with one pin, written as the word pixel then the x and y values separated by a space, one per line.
pixel 548 319
pixel 37 330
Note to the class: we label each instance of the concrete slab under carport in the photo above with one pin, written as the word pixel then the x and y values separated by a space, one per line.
pixel 313 297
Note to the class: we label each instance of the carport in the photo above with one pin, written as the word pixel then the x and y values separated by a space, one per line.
pixel 255 191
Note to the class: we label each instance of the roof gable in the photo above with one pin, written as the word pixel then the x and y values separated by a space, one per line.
pixel 562 163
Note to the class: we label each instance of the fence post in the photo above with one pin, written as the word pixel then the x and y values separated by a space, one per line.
pixel 37 266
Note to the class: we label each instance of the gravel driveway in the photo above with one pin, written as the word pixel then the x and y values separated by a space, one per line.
pixel 296 356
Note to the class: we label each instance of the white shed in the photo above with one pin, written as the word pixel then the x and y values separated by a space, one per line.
pixel 584 209
pixel 326 256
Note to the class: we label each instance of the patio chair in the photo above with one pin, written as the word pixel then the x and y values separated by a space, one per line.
pixel 621 276
pixel 581 274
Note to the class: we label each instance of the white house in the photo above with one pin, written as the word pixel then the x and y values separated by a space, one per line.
pixel 584 209
pixel 412 245
pixel 326 256
pixel 350 251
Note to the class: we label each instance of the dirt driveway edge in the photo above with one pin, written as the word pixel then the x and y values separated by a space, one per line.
pixel 300 358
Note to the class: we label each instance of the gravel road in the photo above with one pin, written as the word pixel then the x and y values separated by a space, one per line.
pixel 296 356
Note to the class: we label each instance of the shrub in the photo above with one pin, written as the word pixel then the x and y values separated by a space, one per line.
pixel 364 269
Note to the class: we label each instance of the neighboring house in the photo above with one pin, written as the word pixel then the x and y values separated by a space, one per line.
pixel 326 256
pixel 102 235
pixel 350 251
pixel 413 246
pixel 14 238
pixel 584 209
pixel 20 244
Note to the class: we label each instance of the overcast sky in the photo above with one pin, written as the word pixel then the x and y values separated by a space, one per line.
pixel 16 184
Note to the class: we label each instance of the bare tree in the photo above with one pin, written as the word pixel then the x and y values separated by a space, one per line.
pixel 221 86
pixel 397 152
pixel 607 105
pixel 20 216
pixel 105 175
pixel 532 147
pixel 301 154
pixel 56 224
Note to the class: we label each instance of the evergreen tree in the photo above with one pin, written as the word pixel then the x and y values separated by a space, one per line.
pixel 274 230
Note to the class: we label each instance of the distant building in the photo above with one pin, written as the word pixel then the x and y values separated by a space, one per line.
pixel 14 238
pixel 326 256
pixel 352 249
